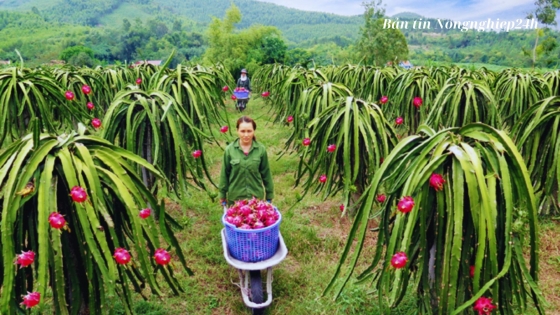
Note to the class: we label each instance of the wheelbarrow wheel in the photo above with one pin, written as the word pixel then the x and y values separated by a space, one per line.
pixel 241 105
pixel 256 291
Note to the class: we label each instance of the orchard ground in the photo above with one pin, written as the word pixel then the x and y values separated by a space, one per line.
pixel 314 233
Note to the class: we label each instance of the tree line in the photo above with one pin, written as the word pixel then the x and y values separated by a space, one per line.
pixel 241 43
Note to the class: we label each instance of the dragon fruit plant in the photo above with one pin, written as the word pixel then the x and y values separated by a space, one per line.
pixel 450 208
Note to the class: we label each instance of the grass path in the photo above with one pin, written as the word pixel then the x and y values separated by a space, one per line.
pixel 314 234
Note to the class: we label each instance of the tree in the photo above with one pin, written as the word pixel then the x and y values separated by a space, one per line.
pixel 72 52
pixel 274 49
pixel 236 49
pixel 298 56
pixel 81 59
pixel 126 25
pixel 377 44
pixel 546 14
pixel 177 26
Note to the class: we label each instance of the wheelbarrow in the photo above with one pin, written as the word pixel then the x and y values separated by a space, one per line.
pixel 250 279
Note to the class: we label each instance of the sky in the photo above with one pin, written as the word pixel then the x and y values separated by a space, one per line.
pixel 472 10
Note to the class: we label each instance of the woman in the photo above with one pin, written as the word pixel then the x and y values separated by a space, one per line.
pixel 245 171
pixel 243 82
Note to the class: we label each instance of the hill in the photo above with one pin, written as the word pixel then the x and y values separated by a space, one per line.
pixel 124 30
pixel 296 25
pixel 407 15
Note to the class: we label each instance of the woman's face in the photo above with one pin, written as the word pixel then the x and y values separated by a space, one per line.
pixel 243 75
pixel 246 132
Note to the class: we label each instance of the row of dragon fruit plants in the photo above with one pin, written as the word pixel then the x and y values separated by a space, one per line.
pixel 455 165
pixel 87 157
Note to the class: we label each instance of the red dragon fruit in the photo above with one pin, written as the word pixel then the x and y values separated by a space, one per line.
pixel 417 101
pixel 406 204
pixel 251 214
pixel 399 260
pixel 484 306
pixel 437 181
pixel 122 256
pixel 25 258
pixel 162 257
pixel 144 213
pixel 78 194
pixel 56 220
pixel 31 299
pixel 86 89
pixel 69 95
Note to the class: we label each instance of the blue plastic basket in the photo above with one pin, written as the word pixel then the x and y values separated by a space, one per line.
pixel 241 94
pixel 252 245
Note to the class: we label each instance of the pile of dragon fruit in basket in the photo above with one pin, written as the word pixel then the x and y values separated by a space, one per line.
pixel 240 89
pixel 252 214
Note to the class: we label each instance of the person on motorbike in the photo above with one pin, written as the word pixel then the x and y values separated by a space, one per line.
pixel 243 82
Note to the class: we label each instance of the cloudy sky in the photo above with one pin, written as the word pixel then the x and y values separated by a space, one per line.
pixel 451 9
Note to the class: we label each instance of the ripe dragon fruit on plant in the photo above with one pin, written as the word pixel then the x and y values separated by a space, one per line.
pixel 484 306
pixel 86 89
pixel 25 258
pixel 31 299
pixel 144 213
pixel 417 101
pixel 162 257
pixel 399 260
pixel 56 220
pixel 406 204
pixel 96 123
pixel 437 181
pixel 122 256
pixel 383 99
pixel 78 194
pixel 69 95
